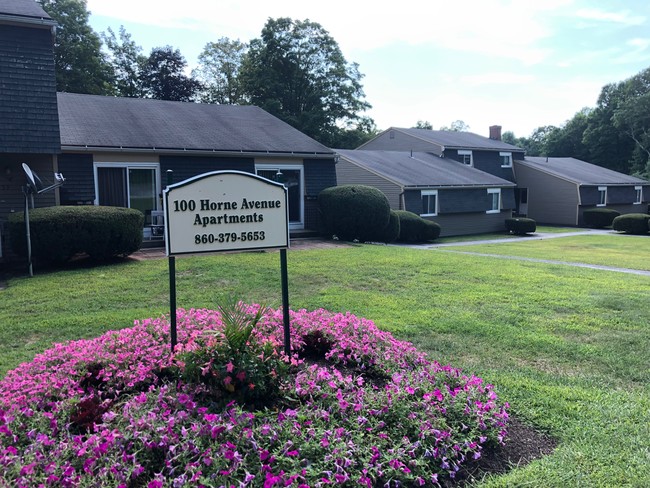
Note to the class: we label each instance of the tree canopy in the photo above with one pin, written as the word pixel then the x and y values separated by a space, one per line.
pixel 218 71
pixel 162 76
pixel 296 71
pixel 127 60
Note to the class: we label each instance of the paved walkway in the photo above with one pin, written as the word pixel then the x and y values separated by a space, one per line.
pixel 535 237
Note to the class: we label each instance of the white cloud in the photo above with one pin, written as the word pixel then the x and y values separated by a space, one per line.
pixel 621 17
pixel 501 78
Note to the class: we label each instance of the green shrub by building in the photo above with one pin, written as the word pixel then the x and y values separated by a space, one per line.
pixel 58 233
pixel 520 226
pixel 354 212
pixel 633 223
pixel 414 228
pixel 598 218
pixel 391 231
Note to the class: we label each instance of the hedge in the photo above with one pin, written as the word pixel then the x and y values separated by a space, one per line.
pixel 598 218
pixel 58 233
pixel 414 228
pixel 520 225
pixel 354 212
pixel 391 231
pixel 632 223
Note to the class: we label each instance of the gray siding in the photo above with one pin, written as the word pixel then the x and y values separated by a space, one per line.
pixel 488 161
pixel 79 188
pixel 401 142
pixel 471 223
pixel 29 121
pixel 616 195
pixel 350 174
pixel 551 200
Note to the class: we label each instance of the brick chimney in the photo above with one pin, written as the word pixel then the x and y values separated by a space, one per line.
pixel 495 132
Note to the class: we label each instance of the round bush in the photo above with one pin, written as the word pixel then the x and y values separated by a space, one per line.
pixel 414 228
pixel 58 233
pixel 391 231
pixel 633 223
pixel 356 407
pixel 598 218
pixel 354 212
pixel 520 226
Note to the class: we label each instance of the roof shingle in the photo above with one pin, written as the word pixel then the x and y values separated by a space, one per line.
pixel 579 172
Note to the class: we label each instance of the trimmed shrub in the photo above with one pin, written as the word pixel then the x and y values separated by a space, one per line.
pixel 58 233
pixel 520 226
pixel 598 218
pixel 414 228
pixel 354 212
pixel 391 231
pixel 632 223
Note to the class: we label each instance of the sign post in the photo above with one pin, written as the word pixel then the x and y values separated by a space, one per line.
pixel 226 211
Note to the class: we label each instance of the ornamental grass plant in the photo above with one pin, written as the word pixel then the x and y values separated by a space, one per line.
pixel 350 405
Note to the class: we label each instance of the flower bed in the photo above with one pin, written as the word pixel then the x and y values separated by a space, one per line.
pixel 351 405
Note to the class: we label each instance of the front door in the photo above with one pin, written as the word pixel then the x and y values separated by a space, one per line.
pixel 521 195
pixel 291 177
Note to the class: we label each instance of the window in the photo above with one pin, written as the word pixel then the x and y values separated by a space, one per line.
pixel 602 196
pixel 506 159
pixel 638 194
pixel 494 200
pixel 291 176
pixel 429 203
pixel 465 157
pixel 132 185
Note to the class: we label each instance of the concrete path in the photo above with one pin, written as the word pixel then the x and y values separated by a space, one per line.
pixel 535 237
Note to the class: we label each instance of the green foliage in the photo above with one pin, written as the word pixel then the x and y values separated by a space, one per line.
pixel 520 225
pixel 79 63
pixel 632 223
pixel 233 362
pixel 455 126
pixel 127 60
pixel 354 212
pixel 58 233
pixel 414 228
pixel 163 76
pixel 599 218
pixel 391 231
pixel 218 71
pixel 297 72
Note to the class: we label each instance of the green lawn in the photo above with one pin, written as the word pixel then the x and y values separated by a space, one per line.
pixel 623 251
pixel 504 235
pixel 567 347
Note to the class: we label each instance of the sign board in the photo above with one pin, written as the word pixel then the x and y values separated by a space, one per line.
pixel 225 211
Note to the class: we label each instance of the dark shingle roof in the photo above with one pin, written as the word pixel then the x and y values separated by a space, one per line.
pixel 421 169
pixel 110 122
pixel 23 8
pixel 459 140
pixel 580 172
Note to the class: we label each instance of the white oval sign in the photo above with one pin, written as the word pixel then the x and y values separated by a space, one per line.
pixel 225 211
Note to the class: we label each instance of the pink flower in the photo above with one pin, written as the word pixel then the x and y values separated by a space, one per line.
pixel 230 367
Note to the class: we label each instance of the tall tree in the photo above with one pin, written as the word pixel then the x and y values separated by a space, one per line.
pixel 163 76
pixel 567 141
pixel 297 72
pixel 218 71
pixel 423 124
pixel 80 65
pixel 127 60
pixel 456 126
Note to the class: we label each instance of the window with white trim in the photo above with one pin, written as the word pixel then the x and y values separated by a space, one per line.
pixel 429 203
pixel 602 196
pixel 506 159
pixel 494 200
pixel 638 194
pixel 465 157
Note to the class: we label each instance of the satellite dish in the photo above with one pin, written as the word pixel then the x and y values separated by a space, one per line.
pixel 33 181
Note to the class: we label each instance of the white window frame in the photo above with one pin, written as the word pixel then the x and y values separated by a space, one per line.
pixel 154 166
pixel 464 152
pixel 424 193
pixel 509 163
pixel 638 195
pixel 278 166
pixel 493 191
pixel 602 196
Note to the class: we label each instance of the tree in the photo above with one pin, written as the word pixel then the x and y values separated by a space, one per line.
pixel 127 60
pixel 79 63
pixel 632 117
pixel 567 141
pixel 218 71
pixel 296 71
pixel 163 78
pixel 423 124
pixel 456 126
pixel 356 134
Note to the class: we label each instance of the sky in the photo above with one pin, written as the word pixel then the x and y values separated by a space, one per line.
pixel 519 64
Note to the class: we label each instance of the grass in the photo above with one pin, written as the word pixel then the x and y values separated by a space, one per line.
pixel 567 347
pixel 504 235
pixel 623 251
